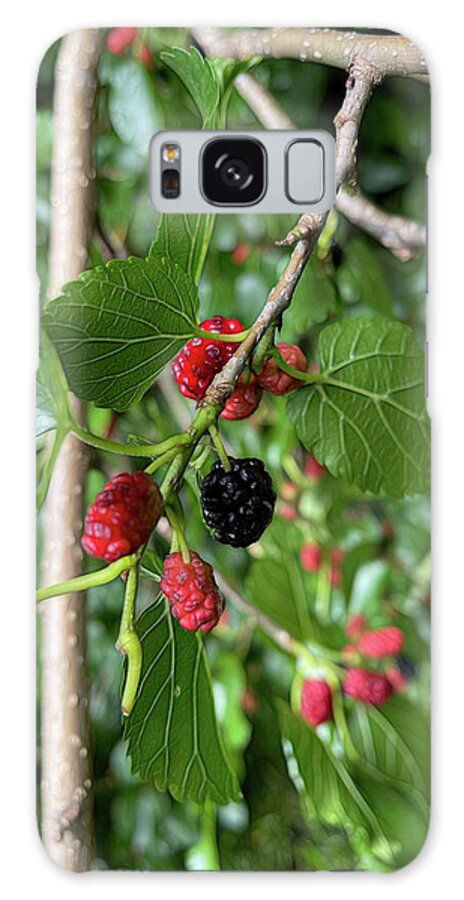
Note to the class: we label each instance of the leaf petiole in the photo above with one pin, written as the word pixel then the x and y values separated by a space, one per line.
pixel 153 450
pixel 129 644
pixel 225 338
pixel 307 377
pixel 90 579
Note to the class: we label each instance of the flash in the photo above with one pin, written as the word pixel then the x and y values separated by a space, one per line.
pixel 170 153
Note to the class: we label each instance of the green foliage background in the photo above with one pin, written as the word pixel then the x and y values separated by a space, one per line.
pixel 297 809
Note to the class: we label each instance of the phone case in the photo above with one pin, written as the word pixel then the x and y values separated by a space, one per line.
pixel 233 464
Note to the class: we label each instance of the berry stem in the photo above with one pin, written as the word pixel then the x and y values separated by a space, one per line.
pixel 263 349
pixel 162 460
pixel 307 377
pixel 216 439
pixel 342 725
pixel 93 440
pixel 90 579
pixel 236 338
pixel 175 523
pixel 129 644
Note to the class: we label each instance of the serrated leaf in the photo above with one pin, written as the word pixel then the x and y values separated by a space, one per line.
pixel 330 789
pixel 366 419
pixel 394 743
pixel 184 239
pixel 197 75
pixel 172 733
pixel 117 326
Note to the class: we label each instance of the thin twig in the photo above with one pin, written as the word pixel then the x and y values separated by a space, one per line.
pixel 404 237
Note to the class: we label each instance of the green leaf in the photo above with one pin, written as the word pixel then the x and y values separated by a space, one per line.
pixel 134 108
pixel 369 587
pixel 184 239
pixel 330 790
pixel 198 76
pixel 276 587
pixel 394 743
pixel 366 418
pixel 361 278
pixel 51 390
pixel 117 327
pixel 52 414
pixel 172 733
pixel 315 297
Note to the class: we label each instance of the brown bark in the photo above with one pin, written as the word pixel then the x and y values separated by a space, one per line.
pixel 66 786
pixel 391 54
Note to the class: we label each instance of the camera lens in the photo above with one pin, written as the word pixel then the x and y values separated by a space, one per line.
pixel 233 171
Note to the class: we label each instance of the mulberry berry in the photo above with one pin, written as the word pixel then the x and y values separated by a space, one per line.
pixel 238 505
pixel 310 557
pixel 202 358
pixel 316 701
pixel 369 687
pixel 381 642
pixel 192 592
pixel 275 380
pixel 244 400
pixel 120 39
pixel 122 516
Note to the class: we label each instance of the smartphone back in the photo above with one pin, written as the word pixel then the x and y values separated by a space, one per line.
pixel 233 458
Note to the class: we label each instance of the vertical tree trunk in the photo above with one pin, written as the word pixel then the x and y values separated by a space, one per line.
pixel 66 787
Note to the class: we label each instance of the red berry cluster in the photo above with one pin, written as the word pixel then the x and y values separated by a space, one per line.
pixel 375 644
pixel 120 521
pixel 311 558
pixel 359 683
pixel 192 592
pixel 122 516
pixel 121 39
pixel 202 358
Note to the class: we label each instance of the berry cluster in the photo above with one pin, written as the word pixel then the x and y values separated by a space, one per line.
pixel 202 358
pixel 238 504
pixel 361 684
pixel 122 516
pixel 374 644
pixel 311 559
pixel 121 39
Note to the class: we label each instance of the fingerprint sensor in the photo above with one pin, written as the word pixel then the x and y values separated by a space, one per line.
pixel 304 171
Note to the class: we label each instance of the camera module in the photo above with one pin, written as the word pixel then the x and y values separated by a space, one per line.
pixel 233 171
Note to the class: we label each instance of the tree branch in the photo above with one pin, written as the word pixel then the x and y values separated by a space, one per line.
pixel 66 787
pixel 390 54
pixel 403 237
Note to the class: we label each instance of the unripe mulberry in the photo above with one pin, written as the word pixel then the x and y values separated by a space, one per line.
pixel 310 557
pixel 381 642
pixel 316 701
pixel 275 380
pixel 369 687
pixel 122 516
pixel 244 400
pixel 192 592
pixel 202 358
